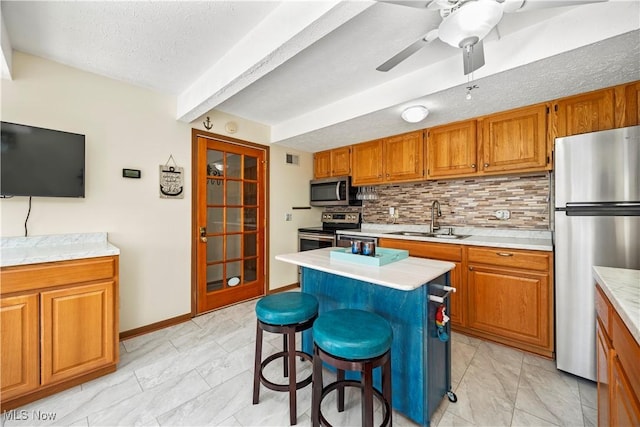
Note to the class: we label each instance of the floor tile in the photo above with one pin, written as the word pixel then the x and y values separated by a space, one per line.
pixel 552 396
pixel 170 366
pixel 143 408
pixel 213 406
pixel 451 420
pixel 201 373
pixel 588 393
pixel 73 404
pixel 524 419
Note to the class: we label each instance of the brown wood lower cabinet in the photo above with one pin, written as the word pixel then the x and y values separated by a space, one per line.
pixel 504 295
pixel 19 338
pixel 510 297
pixel 618 368
pixel 442 252
pixel 59 326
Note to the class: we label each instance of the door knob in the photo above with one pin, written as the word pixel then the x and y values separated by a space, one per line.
pixel 203 234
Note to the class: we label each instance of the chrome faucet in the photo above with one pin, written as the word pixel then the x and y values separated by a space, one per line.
pixel 435 213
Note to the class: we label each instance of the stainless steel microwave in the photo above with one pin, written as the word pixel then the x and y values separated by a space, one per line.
pixel 334 191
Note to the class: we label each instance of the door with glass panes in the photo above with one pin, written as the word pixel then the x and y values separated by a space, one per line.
pixel 230 222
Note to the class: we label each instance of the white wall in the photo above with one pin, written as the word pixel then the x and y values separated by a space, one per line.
pixel 126 127
pixel 289 188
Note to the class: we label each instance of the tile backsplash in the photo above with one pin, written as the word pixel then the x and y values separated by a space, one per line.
pixel 466 202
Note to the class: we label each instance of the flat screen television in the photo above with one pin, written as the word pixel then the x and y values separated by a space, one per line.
pixel 40 162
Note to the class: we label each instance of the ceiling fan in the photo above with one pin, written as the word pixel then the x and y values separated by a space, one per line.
pixel 466 22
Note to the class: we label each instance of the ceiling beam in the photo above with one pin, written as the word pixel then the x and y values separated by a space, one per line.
pixel 528 45
pixel 289 29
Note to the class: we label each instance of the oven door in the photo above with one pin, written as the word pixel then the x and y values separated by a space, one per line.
pixel 310 241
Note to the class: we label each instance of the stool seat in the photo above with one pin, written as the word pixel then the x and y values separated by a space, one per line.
pixel 286 308
pixel 352 334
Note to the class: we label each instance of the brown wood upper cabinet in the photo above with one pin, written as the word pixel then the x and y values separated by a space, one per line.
pixel 367 163
pixel 514 140
pixel 589 112
pixel 452 150
pixel 336 162
pixel 628 105
pixel 403 157
pixel 395 159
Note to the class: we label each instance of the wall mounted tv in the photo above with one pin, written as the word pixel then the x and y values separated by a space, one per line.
pixel 40 162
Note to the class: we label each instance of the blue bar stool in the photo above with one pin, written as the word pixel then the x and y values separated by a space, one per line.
pixel 283 313
pixel 353 340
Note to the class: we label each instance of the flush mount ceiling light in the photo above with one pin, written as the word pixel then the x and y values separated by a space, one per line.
pixel 415 113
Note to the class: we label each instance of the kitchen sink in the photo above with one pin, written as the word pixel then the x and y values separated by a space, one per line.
pixel 412 233
pixel 449 236
pixel 434 235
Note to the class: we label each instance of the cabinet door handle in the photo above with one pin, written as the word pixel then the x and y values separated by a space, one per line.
pixel 473 165
pixel 470 268
pixel 503 254
pixel 486 165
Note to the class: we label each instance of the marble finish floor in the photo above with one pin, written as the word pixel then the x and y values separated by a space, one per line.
pixel 200 373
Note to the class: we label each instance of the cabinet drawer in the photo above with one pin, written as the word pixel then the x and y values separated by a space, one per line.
pixel 510 258
pixel 603 311
pixel 627 350
pixel 34 276
pixel 441 251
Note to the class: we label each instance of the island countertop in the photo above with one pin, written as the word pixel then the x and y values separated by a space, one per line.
pixel 406 275
pixel 51 248
pixel 622 287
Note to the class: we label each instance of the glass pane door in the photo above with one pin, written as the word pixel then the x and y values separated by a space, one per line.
pixel 231 245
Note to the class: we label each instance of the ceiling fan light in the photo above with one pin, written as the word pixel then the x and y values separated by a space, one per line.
pixel 415 113
pixel 473 19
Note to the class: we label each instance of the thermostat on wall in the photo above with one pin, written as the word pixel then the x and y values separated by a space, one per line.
pixel 131 173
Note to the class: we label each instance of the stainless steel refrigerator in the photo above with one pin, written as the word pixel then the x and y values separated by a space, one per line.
pixel 597 222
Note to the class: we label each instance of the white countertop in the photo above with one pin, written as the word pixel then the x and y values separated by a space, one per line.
pixel 406 275
pixel 51 248
pixel 622 287
pixel 492 237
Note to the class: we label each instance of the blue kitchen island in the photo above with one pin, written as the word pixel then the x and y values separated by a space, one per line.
pixel 400 292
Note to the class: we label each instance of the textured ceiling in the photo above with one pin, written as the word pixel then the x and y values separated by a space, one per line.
pixel 307 68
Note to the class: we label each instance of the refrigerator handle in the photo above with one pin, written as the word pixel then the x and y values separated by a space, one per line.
pixel 602 209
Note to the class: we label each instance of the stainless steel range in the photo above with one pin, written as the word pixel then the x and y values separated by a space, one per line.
pixel 325 236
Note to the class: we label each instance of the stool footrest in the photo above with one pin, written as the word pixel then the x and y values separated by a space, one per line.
pixel 284 387
pixel 352 383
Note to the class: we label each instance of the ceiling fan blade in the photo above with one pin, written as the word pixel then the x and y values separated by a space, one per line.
pixel 473 57
pixel 440 4
pixel 418 4
pixel 403 54
pixel 527 5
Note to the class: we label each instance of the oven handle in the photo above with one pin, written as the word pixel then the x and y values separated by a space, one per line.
pixel 318 237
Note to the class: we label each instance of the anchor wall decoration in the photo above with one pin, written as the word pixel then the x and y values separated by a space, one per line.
pixel 207 124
